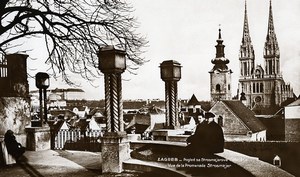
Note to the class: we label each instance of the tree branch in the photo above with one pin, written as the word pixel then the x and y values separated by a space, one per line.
pixel 72 31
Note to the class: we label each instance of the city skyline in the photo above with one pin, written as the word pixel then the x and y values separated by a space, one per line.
pixel 187 32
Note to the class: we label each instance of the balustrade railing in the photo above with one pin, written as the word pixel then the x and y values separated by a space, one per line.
pixel 77 139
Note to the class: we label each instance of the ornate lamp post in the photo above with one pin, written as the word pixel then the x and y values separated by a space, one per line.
pixel 112 63
pixel 114 145
pixel 39 135
pixel 42 82
pixel 170 71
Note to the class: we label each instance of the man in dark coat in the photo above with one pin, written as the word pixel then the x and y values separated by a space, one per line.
pixel 197 142
pixel 207 139
pixel 13 147
pixel 216 143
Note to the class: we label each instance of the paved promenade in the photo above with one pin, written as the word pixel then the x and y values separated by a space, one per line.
pixel 88 164
pixel 58 164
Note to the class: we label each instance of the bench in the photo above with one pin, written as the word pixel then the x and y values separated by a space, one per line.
pixel 7 158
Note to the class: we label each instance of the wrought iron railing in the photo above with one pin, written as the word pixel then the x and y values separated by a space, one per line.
pixel 89 140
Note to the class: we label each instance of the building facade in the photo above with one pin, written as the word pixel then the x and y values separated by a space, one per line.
pixel 261 86
pixel 14 97
pixel 292 121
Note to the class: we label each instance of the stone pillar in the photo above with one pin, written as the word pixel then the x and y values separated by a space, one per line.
pixel 38 138
pixel 115 149
pixel 171 74
pixel 115 146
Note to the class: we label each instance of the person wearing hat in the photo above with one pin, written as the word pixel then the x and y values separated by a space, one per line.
pixel 207 140
pixel 197 142
pixel 216 143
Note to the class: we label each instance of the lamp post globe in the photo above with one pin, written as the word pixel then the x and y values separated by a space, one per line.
pixel 42 80
pixel 111 60
pixel 170 70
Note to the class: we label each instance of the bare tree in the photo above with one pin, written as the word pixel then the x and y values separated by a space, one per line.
pixel 72 30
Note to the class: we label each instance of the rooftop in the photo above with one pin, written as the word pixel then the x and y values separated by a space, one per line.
pixel 245 114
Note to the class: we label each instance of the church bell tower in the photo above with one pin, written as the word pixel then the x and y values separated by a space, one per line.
pixel 220 75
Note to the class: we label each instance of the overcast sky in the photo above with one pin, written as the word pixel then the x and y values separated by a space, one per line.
pixel 187 30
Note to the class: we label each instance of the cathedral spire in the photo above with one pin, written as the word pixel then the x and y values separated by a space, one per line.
pixel 270 22
pixel 247 56
pixel 271 49
pixel 271 44
pixel 246 34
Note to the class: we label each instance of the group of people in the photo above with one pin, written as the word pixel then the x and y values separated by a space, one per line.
pixel 208 137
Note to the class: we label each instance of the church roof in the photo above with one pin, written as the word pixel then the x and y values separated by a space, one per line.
pixel 245 114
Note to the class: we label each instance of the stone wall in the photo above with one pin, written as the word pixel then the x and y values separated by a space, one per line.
pixel 292 130
pixel 275 128
pixel 14 115
pixel 266 151
pixel 231 124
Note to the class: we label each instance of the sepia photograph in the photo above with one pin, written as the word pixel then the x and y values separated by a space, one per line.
pixel 142 88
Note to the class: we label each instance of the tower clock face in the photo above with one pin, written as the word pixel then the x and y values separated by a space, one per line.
pixel 258 99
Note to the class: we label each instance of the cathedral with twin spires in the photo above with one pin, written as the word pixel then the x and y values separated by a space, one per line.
pixel 260 86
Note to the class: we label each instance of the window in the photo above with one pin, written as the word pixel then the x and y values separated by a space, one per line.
pixel 254 88
pixel 270 67
pixel 218 88
pixel 3 66
pixel 228 86
pixel 245 69
pixel 257 73
pixel 261 88
pixel 257 99
pixel 220 121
